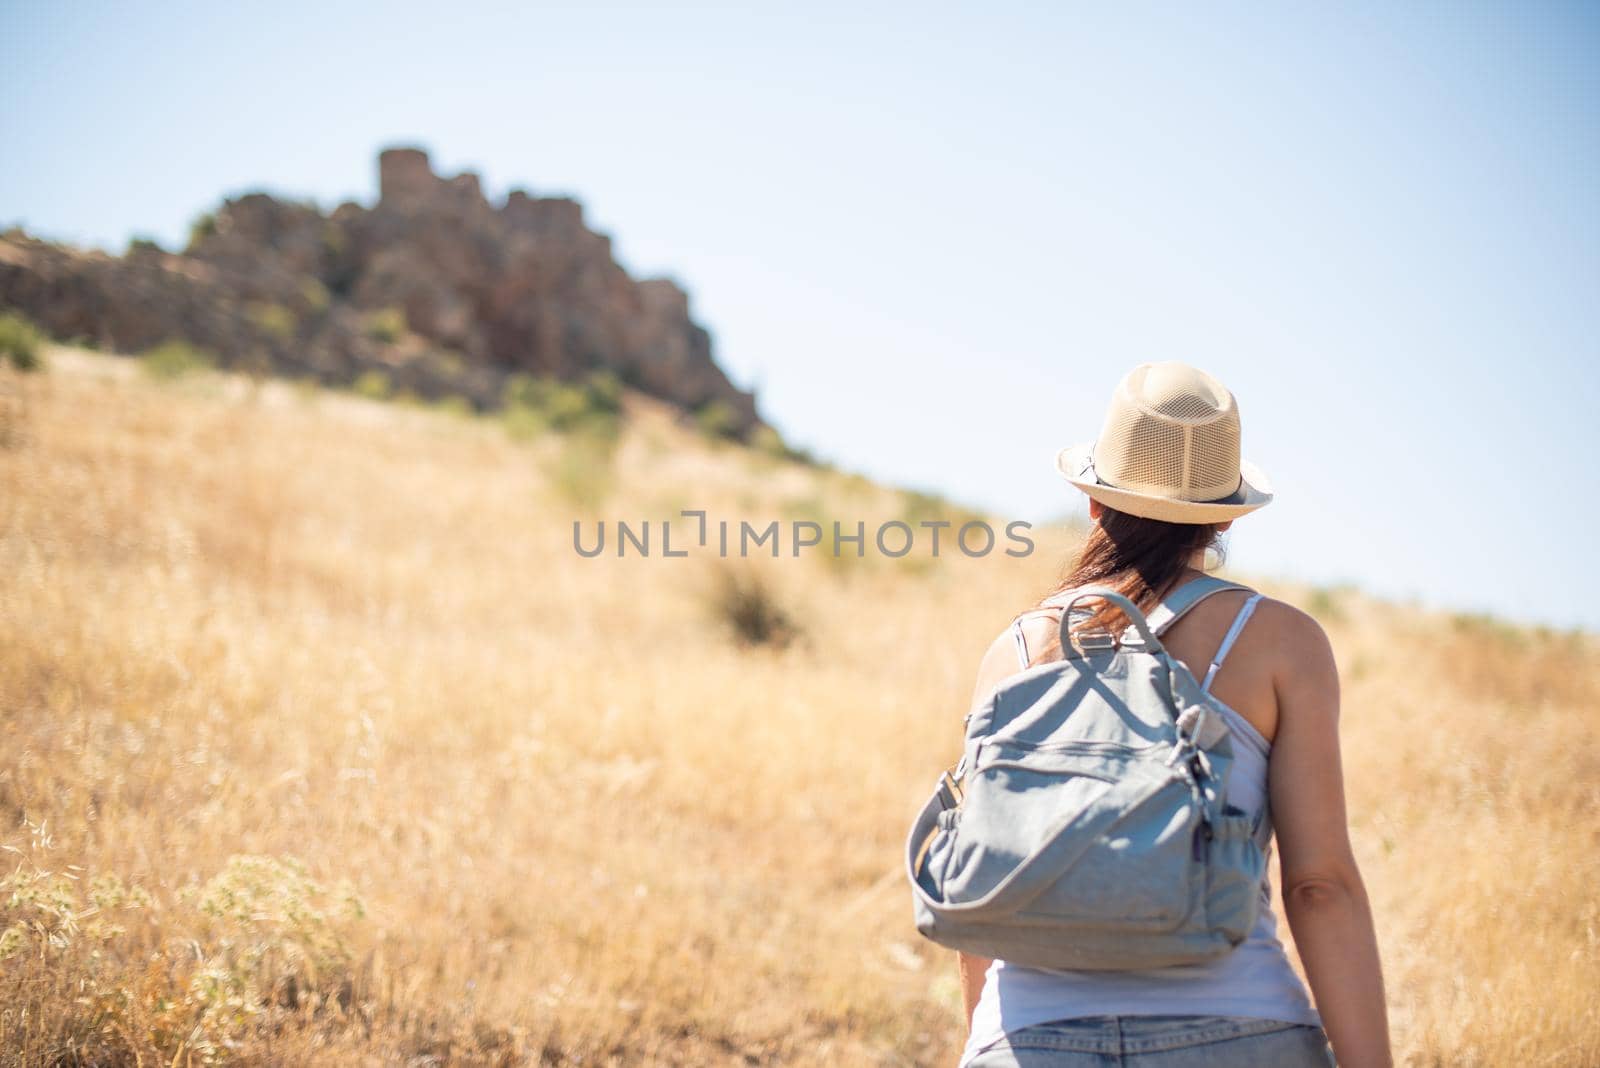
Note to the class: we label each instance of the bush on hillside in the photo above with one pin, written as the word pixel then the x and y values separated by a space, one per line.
pixel 717 421
pixel 175 359
pixel 373 385
pixel 532 405
pixel 386 325
pixel 315 295
pixel 1326 603
pixel 275 320
pixel 20 343
pixel 920 507
pixel 767 440
pixel 745 602
pixel 204 226
pixel 453 404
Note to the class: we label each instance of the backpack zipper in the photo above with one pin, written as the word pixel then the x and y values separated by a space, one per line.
pixel 1080 745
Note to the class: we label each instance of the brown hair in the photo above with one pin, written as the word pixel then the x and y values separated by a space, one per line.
pixel 1139 558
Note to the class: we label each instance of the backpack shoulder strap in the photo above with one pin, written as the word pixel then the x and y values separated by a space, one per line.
pixel 1173 607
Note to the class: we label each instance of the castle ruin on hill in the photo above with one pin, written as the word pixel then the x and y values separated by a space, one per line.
pixel 434 286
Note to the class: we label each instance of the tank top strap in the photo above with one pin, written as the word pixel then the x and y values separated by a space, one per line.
pixel 1022 643
pixel 1229 638
pixel 1051 609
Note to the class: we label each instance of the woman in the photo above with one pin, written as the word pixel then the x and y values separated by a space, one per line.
pixel 1164 480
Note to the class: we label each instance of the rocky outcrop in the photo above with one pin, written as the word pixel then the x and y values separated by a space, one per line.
pixel 444 292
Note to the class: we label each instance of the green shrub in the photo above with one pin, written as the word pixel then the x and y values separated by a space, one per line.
pixel 175 359
pixel 456 405
pixel 519 391
pixel 523 423
pixel 204 226
pixel 604 390
pixel 566 406
pixel 386 325
pixel 918 507
pixel 20 343
pixel 532 405
pixel 373 385
pixel 447 362
pixel 332 241
pixel 1482 626
pixel 315 295
pixel 1327 604
pixel 717 420
pixel 767 441
pixel 274 320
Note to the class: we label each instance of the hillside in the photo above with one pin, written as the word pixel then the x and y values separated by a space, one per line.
pixel 320 743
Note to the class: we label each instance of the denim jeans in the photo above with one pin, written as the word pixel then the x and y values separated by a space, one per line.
pixel 1158 1042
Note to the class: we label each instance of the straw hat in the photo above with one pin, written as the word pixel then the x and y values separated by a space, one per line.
pixel 1169 450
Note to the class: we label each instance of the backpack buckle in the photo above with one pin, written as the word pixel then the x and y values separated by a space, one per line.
pixel 1202 726
pixel 952 778
pixel 1091 642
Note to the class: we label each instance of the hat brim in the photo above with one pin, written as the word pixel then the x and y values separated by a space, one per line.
pixel 1076 465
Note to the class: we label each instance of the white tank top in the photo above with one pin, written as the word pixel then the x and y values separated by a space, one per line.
pixel 1253 980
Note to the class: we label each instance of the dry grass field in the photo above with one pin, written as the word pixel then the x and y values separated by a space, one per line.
pixel 320 744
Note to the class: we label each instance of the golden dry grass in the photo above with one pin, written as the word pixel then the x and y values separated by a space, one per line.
pixel 318 743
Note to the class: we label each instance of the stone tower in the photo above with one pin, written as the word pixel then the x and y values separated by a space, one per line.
pixel 404 174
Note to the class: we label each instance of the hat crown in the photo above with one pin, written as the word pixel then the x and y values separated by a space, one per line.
pixel 1172 431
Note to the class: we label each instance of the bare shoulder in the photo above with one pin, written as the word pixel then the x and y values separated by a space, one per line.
pixel 999 661
pixel 1303 655
pixel 1294 628
pixel 1002 660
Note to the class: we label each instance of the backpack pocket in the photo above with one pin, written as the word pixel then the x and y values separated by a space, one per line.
pixel 1083 834
pixel 1235 864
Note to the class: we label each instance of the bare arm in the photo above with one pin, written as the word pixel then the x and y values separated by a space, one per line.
pixel 972 969
pixel 1323 895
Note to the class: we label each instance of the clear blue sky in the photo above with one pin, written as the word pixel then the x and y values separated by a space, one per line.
pixel 935 236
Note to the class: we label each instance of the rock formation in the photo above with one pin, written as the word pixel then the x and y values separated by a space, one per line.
pixel 442 291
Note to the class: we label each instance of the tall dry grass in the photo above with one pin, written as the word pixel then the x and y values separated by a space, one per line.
pixel 320 744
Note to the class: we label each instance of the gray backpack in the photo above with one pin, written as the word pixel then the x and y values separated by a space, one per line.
pixel 1084 827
